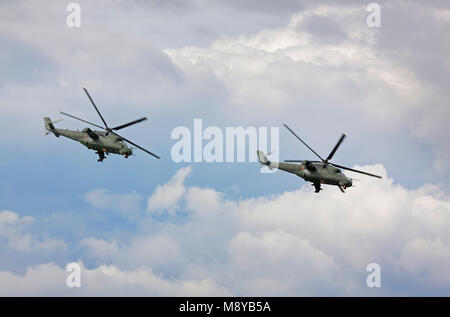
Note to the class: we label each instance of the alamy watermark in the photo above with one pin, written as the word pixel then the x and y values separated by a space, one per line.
pixel 374 278
pixel 73 19
pixel 74 278
pixel 374 18
pixel 230 145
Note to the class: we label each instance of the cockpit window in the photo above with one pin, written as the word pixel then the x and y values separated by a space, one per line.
pixel 338 171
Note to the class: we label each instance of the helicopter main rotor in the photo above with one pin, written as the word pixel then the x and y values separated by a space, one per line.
pixel 329 157
pixel 111 130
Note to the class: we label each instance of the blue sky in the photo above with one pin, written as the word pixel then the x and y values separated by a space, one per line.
pixel 196 228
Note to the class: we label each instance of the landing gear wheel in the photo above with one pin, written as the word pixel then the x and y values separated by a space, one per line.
pixel 101 156
pixel 317 187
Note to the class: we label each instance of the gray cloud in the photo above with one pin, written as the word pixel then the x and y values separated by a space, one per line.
pixel 350 75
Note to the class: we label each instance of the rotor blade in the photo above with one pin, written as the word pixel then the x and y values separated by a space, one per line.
pixel 303 142
pixel 293 161
pixel 92 101
pixel 69 115
pixel 336 147
pixel 140 147
pixel 353 170
pixel 129 123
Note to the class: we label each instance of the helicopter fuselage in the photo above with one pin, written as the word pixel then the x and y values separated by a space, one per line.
pixel 316 172
pixel 100 141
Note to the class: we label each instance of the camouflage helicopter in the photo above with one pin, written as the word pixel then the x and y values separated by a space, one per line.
pixel 104 142
pixel 317 172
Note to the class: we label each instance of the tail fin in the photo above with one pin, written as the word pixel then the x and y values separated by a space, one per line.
pixel 50 127
pixel 263 158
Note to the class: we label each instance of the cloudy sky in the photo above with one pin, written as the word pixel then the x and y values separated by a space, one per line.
pixel 155 227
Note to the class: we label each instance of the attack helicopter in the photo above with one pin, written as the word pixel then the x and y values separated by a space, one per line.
pixel 103 142
pixel 316 172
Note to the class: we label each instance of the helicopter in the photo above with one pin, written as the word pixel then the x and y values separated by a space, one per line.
pixel 103 142
pixel 316 172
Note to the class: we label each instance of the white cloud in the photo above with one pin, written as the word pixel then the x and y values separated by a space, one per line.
pixel 167 197
pixel 13 231
pixel 294 243
pixel 50 280
pixel 427 260
pixel 299 243
pixel 203 200
pixel 297 266
pixel 158 251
